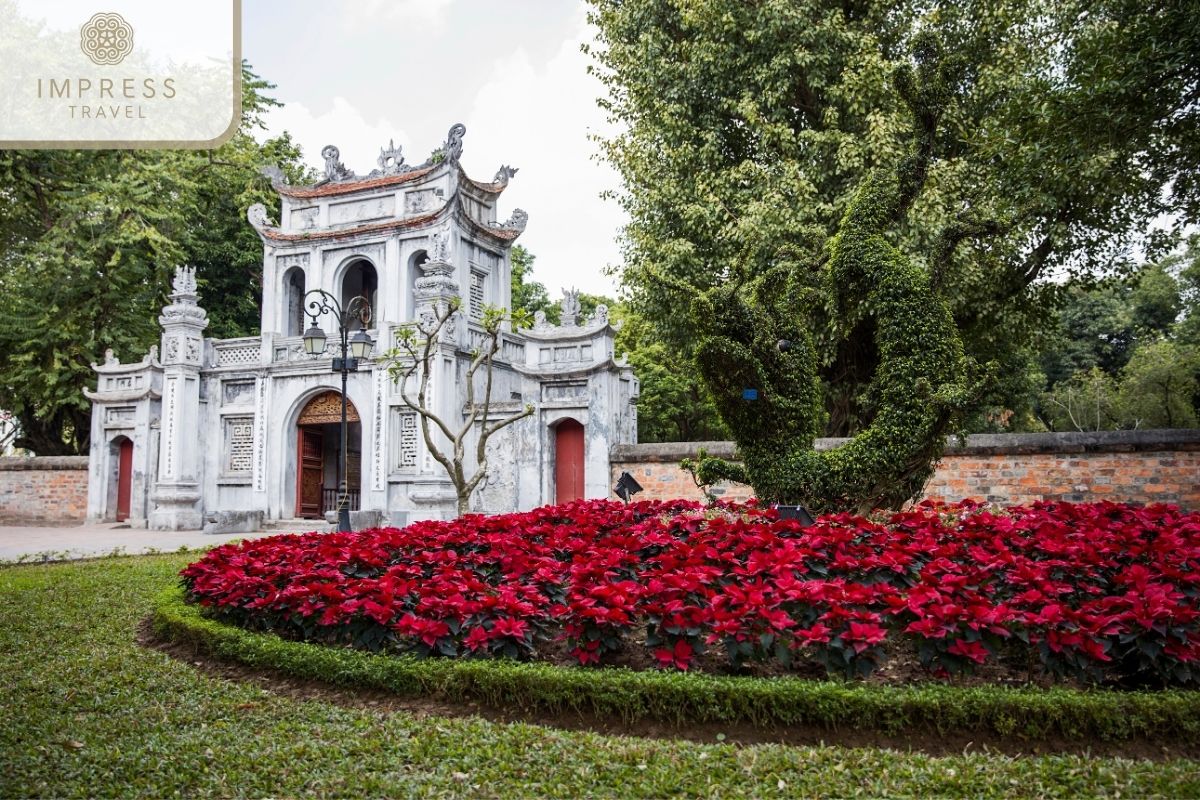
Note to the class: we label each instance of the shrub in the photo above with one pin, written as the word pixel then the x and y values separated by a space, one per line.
pixel 1093 592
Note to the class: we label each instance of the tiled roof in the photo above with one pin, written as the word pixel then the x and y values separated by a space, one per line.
pixel 503 234
pixel 492 188
pixel 342 233
pixel 346 187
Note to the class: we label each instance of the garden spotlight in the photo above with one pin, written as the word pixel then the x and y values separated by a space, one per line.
pixel 626 487
pixel 799 513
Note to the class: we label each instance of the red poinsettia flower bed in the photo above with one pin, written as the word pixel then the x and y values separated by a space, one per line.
pixel 1094 592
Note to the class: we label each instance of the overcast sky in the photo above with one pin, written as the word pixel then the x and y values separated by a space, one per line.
pixel 356 74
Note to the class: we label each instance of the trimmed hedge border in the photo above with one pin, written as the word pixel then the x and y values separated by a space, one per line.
pixel 1029 714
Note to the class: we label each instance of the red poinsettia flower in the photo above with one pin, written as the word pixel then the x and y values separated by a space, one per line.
pixel 679 657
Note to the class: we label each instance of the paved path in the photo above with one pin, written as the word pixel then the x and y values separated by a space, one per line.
pixel 19 543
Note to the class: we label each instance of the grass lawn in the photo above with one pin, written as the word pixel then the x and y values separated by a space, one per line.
pixel 85 711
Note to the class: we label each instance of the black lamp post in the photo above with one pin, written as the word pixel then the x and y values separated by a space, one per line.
pixel 354 348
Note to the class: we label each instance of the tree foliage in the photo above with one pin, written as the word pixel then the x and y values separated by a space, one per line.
pixel 88 241
pixel 527 294
pixel 760 361
pixel 748 126
pixel 1124 352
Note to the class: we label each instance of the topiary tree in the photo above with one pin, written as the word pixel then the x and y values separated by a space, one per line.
pixel 753 341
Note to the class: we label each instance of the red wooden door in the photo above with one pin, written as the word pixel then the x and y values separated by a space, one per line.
pixel 310 472
pixel 124 479
pixel 568 461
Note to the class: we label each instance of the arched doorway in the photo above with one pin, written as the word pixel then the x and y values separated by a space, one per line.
pixel 568 461
pixel 360 280
pixel 121 455
pixel 318 455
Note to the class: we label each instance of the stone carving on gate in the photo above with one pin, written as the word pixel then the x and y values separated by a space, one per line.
pixel 569 306
pixel 504 174
pixel 335 170
pixel 439 245
pixel 184 282
pixel 326 408
pixel 257 216
pixel 422 200
pixel 454 142
pixel 390 161
pixel 517 221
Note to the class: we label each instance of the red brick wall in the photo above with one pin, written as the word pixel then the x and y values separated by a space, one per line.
pixel 1124 466
pixel 47 490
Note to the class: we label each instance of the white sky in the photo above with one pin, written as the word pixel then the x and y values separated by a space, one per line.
pixel 356 74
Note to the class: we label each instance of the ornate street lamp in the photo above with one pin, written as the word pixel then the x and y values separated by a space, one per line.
pixel 353 349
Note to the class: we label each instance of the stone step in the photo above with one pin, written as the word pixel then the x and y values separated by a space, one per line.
pixel 297 525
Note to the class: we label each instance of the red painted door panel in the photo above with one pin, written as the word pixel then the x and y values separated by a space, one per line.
pixel 310 472
pixel 124 480
pixel 568 461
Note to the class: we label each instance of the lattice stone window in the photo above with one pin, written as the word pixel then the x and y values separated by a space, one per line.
pixel 239 445
pixel 405 441
pixel 477 299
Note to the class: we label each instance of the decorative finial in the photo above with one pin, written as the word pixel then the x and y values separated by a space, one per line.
pixel 335 170
pixel 391 160
pixel 504 174
pixel 184 282
pixel 517 220
pixel 569 306
pixel 257 215
pixel 454 144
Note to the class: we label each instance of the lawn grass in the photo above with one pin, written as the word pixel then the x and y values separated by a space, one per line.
pixel 85 711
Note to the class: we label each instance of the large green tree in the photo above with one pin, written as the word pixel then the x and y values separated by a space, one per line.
pixel 88 241
pixel 758 357
pixel 748 125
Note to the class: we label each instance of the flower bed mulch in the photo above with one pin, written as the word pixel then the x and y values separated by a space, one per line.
pixel 1092 593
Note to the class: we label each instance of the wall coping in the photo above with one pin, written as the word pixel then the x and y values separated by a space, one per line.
pixel 26 463
pixel 1167 439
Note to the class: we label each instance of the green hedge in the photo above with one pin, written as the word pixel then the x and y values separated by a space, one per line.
pixel 1026 713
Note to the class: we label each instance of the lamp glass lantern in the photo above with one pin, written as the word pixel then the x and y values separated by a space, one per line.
pixel 361 344
pixel 314 341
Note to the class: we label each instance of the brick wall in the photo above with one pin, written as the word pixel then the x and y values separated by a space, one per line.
pixel 45 489
pixel 1124 466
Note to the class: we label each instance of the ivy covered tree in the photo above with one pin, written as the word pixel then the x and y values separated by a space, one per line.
pixel 759 359
pixel 88 240
pixel 747 128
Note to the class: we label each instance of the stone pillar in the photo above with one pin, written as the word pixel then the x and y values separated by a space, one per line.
pixel 437 285
pixel 434 493
pixel 177 496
